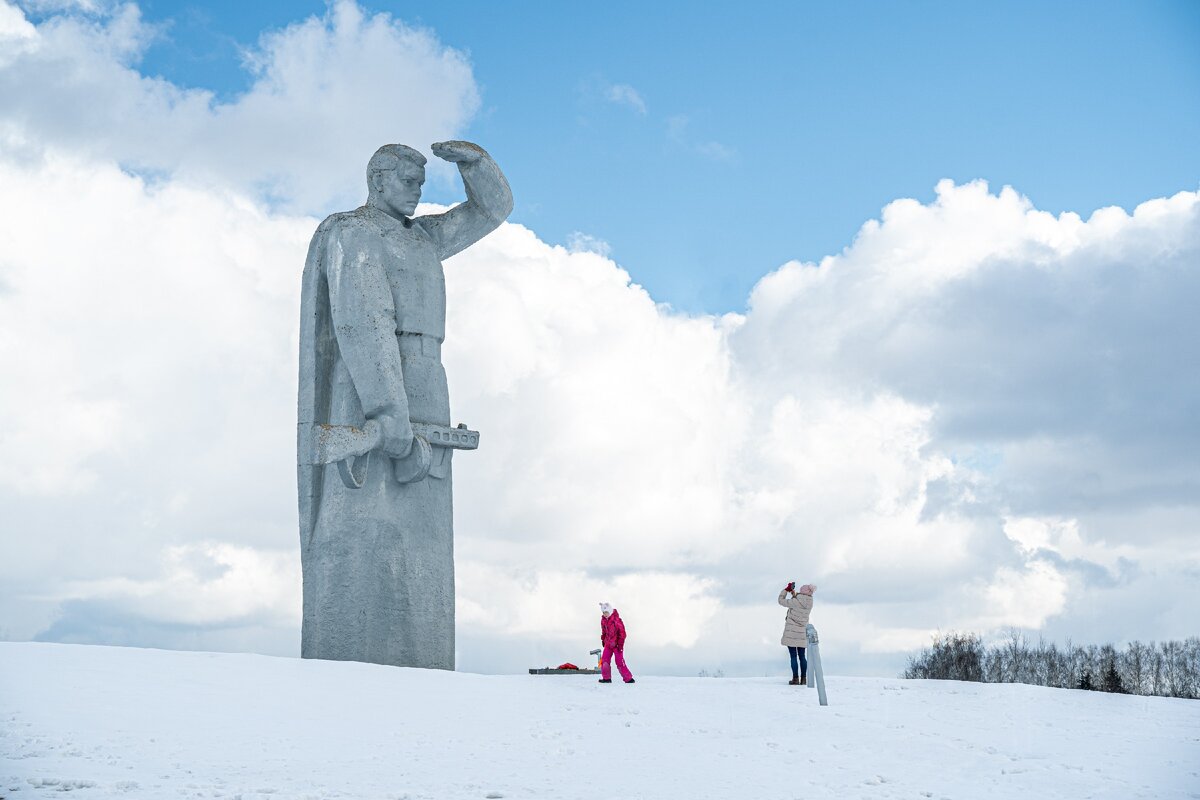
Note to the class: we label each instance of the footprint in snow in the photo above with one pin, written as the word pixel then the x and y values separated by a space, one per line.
pixel 60 784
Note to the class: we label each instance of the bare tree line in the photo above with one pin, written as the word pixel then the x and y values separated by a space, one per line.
pixel 1163 669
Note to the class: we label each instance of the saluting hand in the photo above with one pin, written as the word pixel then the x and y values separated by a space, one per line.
pixel 458 152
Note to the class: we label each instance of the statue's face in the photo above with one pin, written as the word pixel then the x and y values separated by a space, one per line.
pixel 399 189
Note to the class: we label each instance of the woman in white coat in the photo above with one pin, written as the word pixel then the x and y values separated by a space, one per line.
pixel 799 603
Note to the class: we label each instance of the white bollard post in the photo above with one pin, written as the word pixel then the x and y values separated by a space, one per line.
pixel 814 662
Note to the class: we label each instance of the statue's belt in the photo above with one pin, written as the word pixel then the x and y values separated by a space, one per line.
pixel 351 448
pixel 418 345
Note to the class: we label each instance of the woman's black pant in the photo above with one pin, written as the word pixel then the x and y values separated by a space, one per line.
pixel 798 653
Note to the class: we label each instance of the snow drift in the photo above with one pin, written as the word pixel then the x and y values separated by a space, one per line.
pixel 126 722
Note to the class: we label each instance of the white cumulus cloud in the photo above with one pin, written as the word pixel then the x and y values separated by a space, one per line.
pixel 325 92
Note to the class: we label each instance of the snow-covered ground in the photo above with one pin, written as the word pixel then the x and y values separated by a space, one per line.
pixel 126 722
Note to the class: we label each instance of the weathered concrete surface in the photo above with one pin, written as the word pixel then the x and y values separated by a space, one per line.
pixel 378 561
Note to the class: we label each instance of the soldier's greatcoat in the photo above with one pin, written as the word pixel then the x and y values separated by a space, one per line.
pixel 378 561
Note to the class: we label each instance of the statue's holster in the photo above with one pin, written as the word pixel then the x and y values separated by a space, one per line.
pixel 424 460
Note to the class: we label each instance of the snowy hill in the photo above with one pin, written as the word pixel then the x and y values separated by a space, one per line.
pixel 125 722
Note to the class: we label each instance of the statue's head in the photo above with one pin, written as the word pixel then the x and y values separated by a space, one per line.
pixel 395 175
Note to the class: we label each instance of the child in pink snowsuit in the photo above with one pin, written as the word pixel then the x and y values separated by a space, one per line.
pixel 612 636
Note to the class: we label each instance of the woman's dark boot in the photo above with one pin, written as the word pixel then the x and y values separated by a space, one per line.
pixel 794 682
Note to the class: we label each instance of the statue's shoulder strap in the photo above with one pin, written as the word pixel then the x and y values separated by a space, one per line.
pixel 338 224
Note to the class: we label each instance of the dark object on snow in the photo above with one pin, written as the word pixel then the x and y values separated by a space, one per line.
pixel 556 671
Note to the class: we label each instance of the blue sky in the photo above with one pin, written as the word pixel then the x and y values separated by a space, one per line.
pixel 772 132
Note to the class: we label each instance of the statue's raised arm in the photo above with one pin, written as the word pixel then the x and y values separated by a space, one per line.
pixel 489 200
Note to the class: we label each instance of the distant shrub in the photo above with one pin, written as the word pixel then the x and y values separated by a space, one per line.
pixel 953 657
pixel 1166 669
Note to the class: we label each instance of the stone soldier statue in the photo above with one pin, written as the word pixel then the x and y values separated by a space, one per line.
pixel 374 442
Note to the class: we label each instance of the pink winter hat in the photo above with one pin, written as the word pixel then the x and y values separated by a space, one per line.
pixel 807 588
